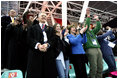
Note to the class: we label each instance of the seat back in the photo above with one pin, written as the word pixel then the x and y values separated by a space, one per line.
pixel 12 74
pixel 71 71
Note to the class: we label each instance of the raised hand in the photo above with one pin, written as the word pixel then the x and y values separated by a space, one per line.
pixel 60 34
pixel 66 32
pixel 14 24
pixel 108 28
pixel 88 12
pixel 37 11
pixel 83 29
pixel 30 9
pixel 24 26
pixel 96 17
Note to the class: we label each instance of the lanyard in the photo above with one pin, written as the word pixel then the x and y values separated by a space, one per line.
pixel 43 26
pixel 90 34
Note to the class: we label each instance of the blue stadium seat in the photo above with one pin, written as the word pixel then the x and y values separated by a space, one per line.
pixel 72 71
pixel 12 74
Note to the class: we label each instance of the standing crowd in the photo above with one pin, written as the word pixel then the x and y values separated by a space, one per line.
pixel 42 51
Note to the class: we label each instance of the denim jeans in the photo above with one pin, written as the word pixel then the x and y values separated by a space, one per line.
pixel 109 59
pixel 62 73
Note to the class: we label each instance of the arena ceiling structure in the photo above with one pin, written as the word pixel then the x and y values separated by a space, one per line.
pixel 107 10
pixel 49 7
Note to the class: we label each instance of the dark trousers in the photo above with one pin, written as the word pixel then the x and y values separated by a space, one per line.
pixel 79 60
pixel 109 59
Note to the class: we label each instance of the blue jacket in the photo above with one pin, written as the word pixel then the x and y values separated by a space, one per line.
pixel 76 43
pixel 105 48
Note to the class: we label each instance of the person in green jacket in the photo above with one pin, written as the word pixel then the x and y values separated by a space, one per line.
pixel 92 48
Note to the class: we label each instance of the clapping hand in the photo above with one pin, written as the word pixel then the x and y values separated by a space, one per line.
pixel 15 23
pixel 83 29
pixel 88 12
pixel 24 26
pixel 96 17
pixel 66 32
pixel 37 11
pixel 108 28
pixel 30 9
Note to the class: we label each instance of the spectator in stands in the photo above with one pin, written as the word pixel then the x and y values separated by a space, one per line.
pixel 106 48
pixel 92 48
pixel 17 49
pixel 31 20
pixel 5 20
pixel 78 56
pixel 62 48
pixel 41 58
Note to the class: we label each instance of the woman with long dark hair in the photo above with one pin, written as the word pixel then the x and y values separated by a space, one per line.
pixel 62 47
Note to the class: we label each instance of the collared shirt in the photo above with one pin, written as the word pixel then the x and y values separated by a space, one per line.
pixel 41 24
pixel 44 33
pixel 12 19
pixel 44 36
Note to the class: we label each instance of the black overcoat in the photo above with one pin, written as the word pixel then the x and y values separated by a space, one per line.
pixel 41 64
pixel 5 20
pixel 17 48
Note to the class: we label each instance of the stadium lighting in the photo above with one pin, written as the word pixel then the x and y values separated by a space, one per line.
pixel 83 13
pixel 64 13
pixel 27 7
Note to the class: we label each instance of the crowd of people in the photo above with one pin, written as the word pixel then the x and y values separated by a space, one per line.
pixel 42 51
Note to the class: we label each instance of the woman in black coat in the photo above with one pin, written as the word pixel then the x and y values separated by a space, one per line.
pixel 63 49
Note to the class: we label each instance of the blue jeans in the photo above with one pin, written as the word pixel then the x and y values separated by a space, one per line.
pixel 62 73
pixel 109 59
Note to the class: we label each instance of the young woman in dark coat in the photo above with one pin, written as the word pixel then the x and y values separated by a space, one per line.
pixel 63 49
